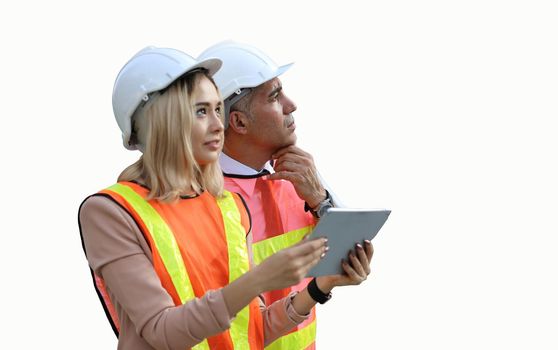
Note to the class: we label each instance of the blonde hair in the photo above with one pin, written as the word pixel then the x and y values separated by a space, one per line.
pixel 168 167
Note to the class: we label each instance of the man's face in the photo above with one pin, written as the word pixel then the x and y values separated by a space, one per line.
pixel 272 126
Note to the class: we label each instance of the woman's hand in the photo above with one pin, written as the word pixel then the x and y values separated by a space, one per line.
pixel 283 269
pixel 290 266
pixel 356 267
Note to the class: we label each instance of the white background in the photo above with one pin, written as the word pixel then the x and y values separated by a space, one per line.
pixel 442 111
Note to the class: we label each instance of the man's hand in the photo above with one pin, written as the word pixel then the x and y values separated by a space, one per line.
pixel 295 165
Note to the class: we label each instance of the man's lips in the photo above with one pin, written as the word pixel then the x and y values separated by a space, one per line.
pixel 289 123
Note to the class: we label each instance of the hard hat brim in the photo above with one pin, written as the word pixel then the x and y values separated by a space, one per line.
pixel 211 64
pixel 282 69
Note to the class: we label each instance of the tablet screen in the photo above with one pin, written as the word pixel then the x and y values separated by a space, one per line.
pixel 344 228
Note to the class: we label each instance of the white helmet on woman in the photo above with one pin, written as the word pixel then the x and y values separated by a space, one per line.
pixel 150 70
pixel 244 67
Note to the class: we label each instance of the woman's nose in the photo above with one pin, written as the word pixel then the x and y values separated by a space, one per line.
pixel 216 123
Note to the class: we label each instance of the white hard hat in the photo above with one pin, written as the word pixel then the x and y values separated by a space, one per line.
pixel 150 70
pixel 244 66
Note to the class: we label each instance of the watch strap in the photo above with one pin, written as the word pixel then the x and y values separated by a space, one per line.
pixel 316 293
pixel 321 209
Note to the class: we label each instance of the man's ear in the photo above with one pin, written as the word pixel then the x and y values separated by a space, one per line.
pixel 239 122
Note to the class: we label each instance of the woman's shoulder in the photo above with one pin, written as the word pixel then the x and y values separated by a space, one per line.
pixel 96 204
pixel 108 231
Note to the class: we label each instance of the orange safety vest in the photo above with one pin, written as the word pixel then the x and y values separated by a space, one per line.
pixel 278 221
pixel 194 253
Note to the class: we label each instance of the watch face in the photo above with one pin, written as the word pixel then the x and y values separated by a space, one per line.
pixel 324 206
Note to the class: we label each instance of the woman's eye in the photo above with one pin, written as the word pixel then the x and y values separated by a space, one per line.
pixel 218 110
pixel 200 111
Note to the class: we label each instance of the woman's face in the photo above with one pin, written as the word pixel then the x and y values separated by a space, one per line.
pixel 207 131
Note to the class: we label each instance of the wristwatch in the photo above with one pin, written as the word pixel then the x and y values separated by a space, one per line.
pixel 316 293
pixel 321 208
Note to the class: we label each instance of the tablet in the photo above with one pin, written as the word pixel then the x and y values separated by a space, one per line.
pixel 345 227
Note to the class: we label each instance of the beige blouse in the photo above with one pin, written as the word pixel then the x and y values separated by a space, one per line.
pixel 118 252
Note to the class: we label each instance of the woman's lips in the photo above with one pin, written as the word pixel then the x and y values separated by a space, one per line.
pixel 213 144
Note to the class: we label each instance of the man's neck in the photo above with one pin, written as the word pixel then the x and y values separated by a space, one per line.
pixel 249 156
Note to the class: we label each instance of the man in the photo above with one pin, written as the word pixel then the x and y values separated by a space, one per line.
pixel 260 160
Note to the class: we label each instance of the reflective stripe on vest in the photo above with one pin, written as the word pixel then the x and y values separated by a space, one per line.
pixel 264 249
pixel 304 337
pixel 297 340
pixel 165 243
pixel 169 251
pixel 239 264
pixel 271 235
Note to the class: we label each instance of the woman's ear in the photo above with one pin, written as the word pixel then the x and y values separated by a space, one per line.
pixel 239 122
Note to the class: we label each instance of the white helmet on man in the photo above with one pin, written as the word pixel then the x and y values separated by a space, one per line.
pixel 244 67
pixel 148 71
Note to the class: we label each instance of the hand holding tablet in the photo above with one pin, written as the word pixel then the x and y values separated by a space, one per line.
pixel 344 228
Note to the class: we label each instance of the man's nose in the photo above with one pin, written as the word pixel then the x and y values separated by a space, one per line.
pixel 289 106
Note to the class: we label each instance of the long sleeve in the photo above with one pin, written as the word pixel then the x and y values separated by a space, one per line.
pixel 117 252
pixel 279 318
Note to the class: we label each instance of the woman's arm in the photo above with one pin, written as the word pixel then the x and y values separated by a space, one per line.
pixel 118 253
pixel 283 269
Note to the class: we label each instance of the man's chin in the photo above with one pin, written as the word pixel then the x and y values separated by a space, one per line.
pixel 290 142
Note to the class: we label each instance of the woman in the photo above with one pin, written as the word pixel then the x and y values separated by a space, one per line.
pixel 166 244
